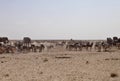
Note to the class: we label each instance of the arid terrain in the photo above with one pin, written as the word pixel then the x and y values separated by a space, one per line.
pixel 61 66
pixel 59 40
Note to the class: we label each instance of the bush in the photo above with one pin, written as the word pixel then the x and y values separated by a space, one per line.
pixel 113 75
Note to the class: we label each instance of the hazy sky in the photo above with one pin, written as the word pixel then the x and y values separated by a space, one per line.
pixel 60 19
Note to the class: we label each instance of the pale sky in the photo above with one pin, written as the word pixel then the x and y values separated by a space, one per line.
pixel 60 19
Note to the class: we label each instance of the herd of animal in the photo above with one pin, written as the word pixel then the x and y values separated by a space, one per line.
pixel 28 45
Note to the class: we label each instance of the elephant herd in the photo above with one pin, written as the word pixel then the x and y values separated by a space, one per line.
pixel 27 45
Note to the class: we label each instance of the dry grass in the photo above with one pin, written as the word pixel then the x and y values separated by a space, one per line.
pixel 45 60
pixel 60 66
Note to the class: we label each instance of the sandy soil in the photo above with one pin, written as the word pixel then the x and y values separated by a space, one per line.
pixel 60 66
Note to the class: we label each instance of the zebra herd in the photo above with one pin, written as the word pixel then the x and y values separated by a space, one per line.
pixel 27 45
pixel 99 46
pixel 79 46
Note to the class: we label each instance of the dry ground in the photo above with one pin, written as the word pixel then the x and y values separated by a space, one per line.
pixel 60 66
